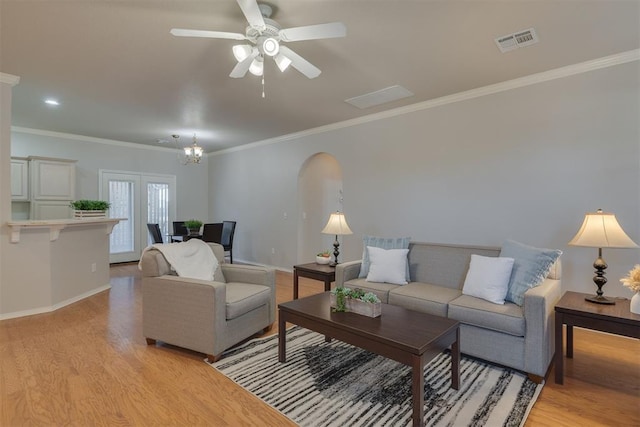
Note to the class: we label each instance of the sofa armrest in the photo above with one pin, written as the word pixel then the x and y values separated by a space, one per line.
pixel 249 274
pixel 539 314
pixel 346 271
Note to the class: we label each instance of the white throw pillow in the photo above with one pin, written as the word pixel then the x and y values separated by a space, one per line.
pixel 387 265
pixel 488 278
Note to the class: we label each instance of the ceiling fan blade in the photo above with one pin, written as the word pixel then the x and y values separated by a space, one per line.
pixel 300 64
pixel 207 34
pixel 252 13
pixel 241 68
pixel 314 32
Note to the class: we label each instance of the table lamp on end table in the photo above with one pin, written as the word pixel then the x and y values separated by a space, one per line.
pixel 337 225
pixel 601 230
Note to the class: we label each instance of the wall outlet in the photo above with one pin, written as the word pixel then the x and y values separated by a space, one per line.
pixel 273 250
pixel 284 215
pixel 93 267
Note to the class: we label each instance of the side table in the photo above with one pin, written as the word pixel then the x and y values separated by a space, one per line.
pixel 321 272
pixel 572 310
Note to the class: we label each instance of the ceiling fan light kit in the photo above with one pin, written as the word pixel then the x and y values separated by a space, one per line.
pixel 266 37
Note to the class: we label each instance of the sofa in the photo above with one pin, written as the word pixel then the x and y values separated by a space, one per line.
pixel 520 337
pixel 207 316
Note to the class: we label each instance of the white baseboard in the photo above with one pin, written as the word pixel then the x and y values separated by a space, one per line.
pixel 54 307
pixel 286 270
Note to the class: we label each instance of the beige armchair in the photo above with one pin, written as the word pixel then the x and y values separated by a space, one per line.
pixel 205 316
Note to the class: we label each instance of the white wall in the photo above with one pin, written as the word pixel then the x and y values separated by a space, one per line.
pixel 525 164
pixel 191 180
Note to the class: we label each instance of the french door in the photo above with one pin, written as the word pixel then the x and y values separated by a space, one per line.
pixel 140 199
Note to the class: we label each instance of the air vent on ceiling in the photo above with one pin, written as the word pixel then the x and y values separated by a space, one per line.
pixel 520 39
pixel 391 93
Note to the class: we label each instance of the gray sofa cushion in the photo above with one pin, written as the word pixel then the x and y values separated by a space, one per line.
pixel 244 297
pixel 380 289
pixel 507 318
pixel 424 297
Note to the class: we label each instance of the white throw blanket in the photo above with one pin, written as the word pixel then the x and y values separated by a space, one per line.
pixel 193 259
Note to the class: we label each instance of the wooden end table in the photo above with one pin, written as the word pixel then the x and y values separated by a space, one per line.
pixel 322 272
pixel 572 310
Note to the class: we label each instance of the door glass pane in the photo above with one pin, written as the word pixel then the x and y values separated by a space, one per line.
pixel 121 199
pixel 158 205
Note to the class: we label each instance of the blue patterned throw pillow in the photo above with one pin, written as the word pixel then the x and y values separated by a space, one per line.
pixel 383 243
pixel 531 266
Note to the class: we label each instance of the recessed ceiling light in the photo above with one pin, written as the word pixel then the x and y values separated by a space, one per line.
pixel 51 101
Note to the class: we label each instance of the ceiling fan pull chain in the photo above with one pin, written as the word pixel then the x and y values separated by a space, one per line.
pixel 263 85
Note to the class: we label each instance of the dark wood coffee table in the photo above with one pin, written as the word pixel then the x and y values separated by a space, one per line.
pixel 406 336
pixel 572 310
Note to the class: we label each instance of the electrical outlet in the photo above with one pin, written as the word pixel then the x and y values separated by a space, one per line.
pixel 273 250
pixel 284 215
pixel 304 215
pixel 93 267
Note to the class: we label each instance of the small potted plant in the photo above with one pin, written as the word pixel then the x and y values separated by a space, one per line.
pixel 323 257
pixel 356 300
pixel 193 225
pixel 88 209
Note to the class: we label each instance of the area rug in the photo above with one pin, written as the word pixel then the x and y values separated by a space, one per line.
pixel 336 384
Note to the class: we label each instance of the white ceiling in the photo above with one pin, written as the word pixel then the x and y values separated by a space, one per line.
pixel 120 75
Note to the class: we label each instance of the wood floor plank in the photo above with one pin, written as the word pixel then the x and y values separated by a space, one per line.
pixel 88 364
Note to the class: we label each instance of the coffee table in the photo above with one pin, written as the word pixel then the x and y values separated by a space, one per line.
pixel 406 336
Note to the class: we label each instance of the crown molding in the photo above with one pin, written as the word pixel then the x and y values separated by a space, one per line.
pixel 544 76
pixel 9 79
pixel 83 138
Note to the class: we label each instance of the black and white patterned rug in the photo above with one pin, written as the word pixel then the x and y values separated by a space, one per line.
pixel 336 384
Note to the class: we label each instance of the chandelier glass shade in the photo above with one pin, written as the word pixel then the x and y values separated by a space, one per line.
pixel 192 153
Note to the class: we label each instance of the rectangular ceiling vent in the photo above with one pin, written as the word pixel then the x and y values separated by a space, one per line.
pixel 520 39
pixel 382 96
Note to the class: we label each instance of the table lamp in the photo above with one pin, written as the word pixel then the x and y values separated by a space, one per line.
pixel 337 225
pixel 601 230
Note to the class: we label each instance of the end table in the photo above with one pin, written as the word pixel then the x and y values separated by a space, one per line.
pixel 321 272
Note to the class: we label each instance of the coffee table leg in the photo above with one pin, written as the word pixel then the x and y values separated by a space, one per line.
pixel 417 390
pixel 282 337
pixel 455 362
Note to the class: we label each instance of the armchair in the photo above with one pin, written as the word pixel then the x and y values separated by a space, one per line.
pixel 201 315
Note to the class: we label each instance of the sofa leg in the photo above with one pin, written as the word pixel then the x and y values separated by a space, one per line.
pixel 150 341
pixel 267 329
pixel 535 378
pixel 212 359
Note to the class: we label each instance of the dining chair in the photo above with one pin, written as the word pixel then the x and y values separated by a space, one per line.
pixel 179 231
pixel 228 230
pixel 156 234
pixel 212 232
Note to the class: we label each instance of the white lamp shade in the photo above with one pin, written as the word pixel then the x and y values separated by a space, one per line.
pixel 282 62
pixel 601 230
pixel 337 225
pixel 242 51
pixel 257 66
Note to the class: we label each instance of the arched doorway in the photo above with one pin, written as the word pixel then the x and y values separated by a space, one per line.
pixel 319 194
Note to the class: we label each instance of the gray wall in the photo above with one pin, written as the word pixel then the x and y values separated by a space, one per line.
pixel 525 164
pixel 191 180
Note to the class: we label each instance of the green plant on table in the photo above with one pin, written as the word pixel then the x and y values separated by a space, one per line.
pixel 343 294
pixel 90 205
pixel 193 224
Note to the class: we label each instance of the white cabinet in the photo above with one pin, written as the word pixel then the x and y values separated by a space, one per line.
pixel 53 186
pixel 50 209
pixel 19 179
pixel 53 179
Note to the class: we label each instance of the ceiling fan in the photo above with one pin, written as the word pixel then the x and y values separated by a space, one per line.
pixel 266 37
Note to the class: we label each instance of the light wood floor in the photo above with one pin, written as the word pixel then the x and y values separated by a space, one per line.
pixel 88 364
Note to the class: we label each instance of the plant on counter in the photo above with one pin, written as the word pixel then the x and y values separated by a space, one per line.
pixel 343 294
pixel 90 205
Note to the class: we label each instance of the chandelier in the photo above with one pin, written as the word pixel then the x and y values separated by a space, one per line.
pixel 191 153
